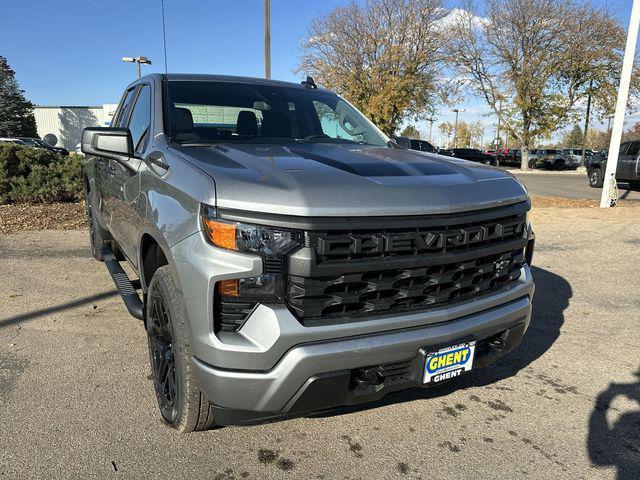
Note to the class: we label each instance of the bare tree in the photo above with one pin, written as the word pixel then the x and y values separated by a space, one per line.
pixel 540 57
pixel 384 56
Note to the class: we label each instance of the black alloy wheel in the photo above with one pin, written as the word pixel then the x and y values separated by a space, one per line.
pixel 163 367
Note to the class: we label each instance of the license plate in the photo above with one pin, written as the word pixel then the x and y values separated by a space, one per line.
pixel 449 362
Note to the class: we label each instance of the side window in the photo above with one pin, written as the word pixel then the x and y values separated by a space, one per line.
pixel 634 148
pixel 141 119
pixel 623 148
pixel 123 108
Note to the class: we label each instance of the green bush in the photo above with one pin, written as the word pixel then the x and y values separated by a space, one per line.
pixel 34 175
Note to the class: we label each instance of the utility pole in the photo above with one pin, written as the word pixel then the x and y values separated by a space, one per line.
pixel 267 39
pixel 610 188
pixel 430 120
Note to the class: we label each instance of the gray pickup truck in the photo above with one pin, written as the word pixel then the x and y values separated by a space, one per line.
pixel 628 168
pixel 290 258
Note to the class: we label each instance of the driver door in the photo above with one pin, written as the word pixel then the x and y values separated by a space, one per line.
pixel 124 188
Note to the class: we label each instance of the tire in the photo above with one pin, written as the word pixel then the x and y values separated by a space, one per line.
pixel 532 164
pixel 559 165
pixel 98 236
pixel 595 177
pixel 182 405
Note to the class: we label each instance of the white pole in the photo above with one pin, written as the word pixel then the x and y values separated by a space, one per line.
pixel 610 190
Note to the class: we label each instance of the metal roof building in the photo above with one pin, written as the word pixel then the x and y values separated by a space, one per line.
pixel 67 121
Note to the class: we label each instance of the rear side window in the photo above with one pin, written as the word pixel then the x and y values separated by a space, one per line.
pixel 623 148
pixel 634 148
pixel 121 114
pixel 141 119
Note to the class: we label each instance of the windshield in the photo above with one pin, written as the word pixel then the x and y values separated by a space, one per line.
pixel 203 112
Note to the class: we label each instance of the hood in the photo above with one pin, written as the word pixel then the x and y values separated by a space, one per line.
pixel 319 179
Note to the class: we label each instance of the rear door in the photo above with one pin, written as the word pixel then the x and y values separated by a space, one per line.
pixel 125 183
pixel 627 162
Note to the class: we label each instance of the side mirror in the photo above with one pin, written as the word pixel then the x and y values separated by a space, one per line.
pixel 115 143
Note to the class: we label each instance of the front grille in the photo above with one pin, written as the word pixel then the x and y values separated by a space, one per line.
pixel 349 275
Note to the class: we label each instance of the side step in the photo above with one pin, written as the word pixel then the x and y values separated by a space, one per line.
pixel 125 286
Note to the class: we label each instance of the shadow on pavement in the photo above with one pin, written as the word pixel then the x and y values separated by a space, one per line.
pixel 549 302
pixel 617 445
pixel 6 322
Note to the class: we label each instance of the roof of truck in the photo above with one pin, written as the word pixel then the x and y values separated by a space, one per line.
pixel 198 77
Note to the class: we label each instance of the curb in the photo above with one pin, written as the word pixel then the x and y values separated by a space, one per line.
pixel 543 172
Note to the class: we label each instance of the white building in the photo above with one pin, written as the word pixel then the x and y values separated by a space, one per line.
pixel 67 122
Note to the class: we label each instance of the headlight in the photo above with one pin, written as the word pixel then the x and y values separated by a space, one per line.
pixel 235 298
pixel 243 237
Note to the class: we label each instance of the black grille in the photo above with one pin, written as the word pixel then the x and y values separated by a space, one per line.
pixel 342 276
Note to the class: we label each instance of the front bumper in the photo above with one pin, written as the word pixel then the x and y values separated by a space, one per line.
pixel 323 375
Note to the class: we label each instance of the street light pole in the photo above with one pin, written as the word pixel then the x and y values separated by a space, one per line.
pixel 455 128
pixel 267 39
pixel 139 61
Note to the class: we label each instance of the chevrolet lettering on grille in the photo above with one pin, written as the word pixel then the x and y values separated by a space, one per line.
pixel 392 242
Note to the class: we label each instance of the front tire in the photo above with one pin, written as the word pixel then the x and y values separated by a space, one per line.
pixel 595 178
pixel 182 405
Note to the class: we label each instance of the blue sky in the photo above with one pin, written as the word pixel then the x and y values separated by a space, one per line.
pixel 68 52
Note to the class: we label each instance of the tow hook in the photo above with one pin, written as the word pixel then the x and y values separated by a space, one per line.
pixel 499 342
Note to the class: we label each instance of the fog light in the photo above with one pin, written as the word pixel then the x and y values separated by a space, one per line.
pixel 235 299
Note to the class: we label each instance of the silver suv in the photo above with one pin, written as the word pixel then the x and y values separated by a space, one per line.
pixel 290 258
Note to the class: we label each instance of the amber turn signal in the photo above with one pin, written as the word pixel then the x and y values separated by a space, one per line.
pixel 221 234
pixel 228 288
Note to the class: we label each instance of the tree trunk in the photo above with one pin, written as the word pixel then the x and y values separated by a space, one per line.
pixel 524 157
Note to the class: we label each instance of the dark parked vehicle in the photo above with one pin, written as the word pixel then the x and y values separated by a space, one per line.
pixel 38 143
pixel 474 155
pixel 628 166
pixel 414 144
pixel 289 258
pixel 444 151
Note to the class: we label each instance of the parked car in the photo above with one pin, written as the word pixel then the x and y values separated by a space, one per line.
pixel 292 259
pixel 414 144
pixel 38 143
pixel 474 155
pixel 508 156
pixel 575 155
pixel 444 151
pixel 12 140
pixel 628 169
pixel 552 159
pixel 402 141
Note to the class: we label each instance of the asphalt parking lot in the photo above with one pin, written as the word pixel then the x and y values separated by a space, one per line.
pixel 76 400
pixel 569 185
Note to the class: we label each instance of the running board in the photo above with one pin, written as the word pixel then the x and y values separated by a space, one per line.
pixel 125 287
